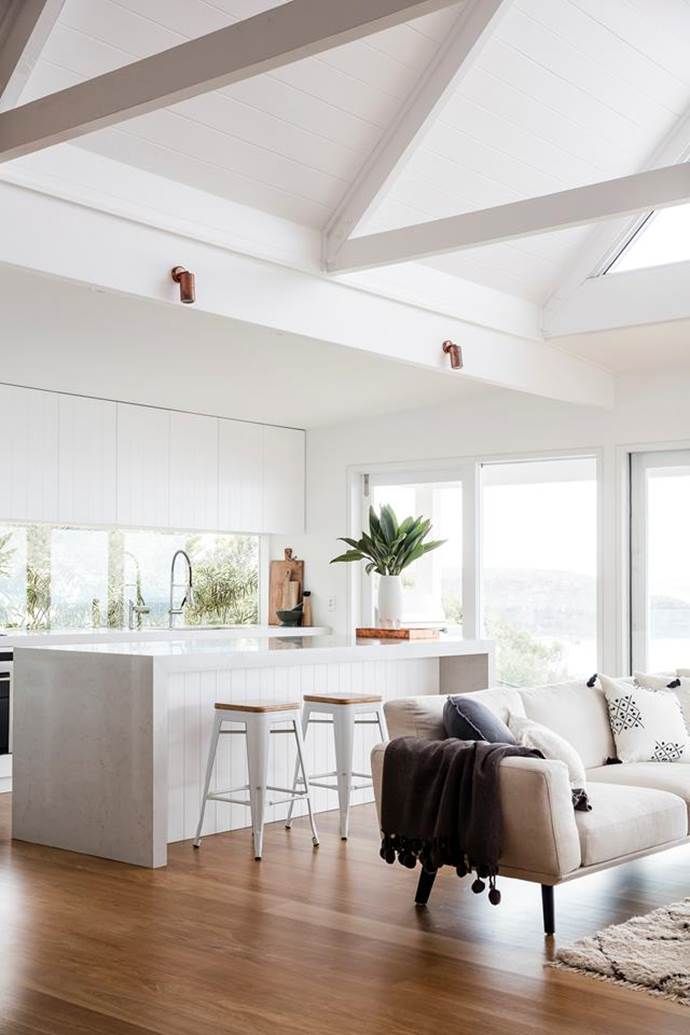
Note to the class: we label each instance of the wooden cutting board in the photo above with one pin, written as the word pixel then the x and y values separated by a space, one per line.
pixel 287 570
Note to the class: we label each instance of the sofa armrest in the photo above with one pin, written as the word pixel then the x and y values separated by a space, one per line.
pixel 540 837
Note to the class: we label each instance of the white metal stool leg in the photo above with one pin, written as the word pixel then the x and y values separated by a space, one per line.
pixel 343 731
pixel 381 722
pixel 300 762
pixel 212 749
pixel 257 763
pixel 304 722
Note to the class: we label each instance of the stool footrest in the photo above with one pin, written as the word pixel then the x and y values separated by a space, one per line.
pixel 334 786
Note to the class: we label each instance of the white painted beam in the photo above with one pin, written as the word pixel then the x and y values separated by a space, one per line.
pixel 454 59
pixel 631 298
pixel 277 37
pixel 85 178
pixel 117 255
pixel 656 188
pixel 24 29
pixel 605 241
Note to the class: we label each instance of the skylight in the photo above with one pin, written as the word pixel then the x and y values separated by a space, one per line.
pixel 664 237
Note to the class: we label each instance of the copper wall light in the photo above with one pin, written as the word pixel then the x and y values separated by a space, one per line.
pixel 185 279
pixel 455 353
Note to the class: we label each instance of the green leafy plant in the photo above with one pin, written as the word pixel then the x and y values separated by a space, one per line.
pixel 389 547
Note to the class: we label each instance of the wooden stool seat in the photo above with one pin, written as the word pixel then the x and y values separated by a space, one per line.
pixel 257 706
pixel 343 698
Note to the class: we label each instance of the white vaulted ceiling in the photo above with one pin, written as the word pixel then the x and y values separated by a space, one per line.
pixel 564 93
pixel 288 142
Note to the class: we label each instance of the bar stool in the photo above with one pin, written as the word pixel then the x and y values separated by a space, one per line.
pixel 346 711
pixel 259 721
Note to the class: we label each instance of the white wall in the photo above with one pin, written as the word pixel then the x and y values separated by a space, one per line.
pixel 648 410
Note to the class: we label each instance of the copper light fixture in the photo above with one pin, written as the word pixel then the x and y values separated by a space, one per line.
pixel 185 279
pixel 455 353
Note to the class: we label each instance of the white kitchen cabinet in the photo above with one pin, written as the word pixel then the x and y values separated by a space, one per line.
pixel 87 449
pixel 283 481
pixel 143 466
pixel 240 476
pixel 193 471
pixel 29 437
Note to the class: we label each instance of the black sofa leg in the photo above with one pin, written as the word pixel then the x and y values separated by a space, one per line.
pixel 426 883
pixel 548 908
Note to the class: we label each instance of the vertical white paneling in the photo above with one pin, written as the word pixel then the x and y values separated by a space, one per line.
pixel 191 696
pixel 87 449
pixel 29 436
pixel 193 471
pixel 283 483
pixel 143 466
pixel 240 476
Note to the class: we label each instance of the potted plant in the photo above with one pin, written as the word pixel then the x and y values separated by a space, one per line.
pixel 388 548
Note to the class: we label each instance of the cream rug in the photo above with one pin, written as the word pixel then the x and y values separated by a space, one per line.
pixel 649 952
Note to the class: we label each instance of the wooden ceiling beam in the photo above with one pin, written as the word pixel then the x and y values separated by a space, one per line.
pixel 277 37
pixel 656 188
pixel 24 29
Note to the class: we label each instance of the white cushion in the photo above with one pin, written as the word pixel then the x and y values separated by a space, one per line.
pixel 659 775
pixel 647 725
pixel 626 820
pixel 533 734
pixel 578 713
pixel 662 681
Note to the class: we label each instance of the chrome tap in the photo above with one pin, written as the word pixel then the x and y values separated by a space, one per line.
pixel 137 607
pixel 188 597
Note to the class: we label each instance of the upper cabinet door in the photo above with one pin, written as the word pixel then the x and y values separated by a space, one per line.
pixel 193 471
pixel 240 476
pixel 143 466
pixel 87 449
pixel 283 494
pixel 29 436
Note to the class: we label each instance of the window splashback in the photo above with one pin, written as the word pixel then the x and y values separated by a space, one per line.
pixel 62 577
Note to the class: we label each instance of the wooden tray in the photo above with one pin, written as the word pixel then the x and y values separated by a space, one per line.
pixel 397 634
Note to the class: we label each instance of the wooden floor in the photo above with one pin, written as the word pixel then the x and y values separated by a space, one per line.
pixel 324 942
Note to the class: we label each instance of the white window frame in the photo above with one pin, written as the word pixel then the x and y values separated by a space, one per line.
pixel 467 470
pixel 640 461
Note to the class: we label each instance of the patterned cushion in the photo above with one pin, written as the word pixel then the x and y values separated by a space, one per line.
pixel 647 725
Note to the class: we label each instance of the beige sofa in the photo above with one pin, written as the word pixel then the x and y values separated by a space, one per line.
pixel 637 809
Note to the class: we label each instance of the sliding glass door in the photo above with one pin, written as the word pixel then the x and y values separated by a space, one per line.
pixel 660 560
pixel 539 568
pixel 434 586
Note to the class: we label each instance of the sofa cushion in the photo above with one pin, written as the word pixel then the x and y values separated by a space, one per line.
pixel 578 713
pixel 422 716
pixel 659 775
pixel 467 718
pixel 533 734
pixel 626 820
pixel 647 725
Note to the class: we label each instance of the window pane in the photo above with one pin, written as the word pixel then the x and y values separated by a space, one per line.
pixel 668 568
pixel 539 568
pixel 664 238
pixel 83 578
pixel 432 586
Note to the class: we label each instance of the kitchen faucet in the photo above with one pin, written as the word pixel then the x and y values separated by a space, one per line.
pixel 136 607
pixel 188 597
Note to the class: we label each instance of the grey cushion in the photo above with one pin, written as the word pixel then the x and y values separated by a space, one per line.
pixel 469 719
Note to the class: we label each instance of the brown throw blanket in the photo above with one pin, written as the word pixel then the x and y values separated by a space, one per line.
pixel 441 805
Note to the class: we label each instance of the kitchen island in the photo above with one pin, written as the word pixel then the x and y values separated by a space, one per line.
pixel 111 739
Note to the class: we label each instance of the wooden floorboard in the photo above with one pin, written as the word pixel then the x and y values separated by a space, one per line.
pixel 323 942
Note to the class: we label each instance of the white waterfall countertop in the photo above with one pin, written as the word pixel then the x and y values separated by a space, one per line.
pixel 199 653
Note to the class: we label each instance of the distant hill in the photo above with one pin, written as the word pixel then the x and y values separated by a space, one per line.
pixel 559 603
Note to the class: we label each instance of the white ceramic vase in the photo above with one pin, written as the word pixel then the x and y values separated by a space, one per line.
pixel 390 601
